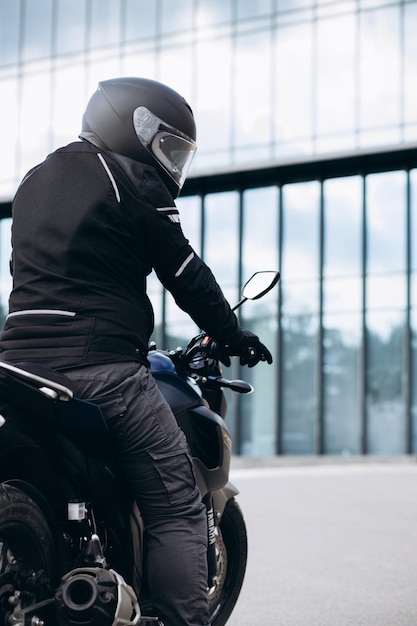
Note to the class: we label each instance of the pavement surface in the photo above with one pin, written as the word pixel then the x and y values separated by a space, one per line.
pixel 332 541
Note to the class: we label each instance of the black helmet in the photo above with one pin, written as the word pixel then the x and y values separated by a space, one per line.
pixel 146 121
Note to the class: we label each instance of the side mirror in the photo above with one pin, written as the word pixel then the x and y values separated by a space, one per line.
pixel 258 285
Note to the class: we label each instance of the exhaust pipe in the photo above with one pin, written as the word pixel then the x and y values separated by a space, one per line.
pixel 93 596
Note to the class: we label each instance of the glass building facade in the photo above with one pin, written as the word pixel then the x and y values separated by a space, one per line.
pixel 307 162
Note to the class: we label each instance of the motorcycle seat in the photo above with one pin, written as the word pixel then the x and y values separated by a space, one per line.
pixel 42 392
pixel 47 381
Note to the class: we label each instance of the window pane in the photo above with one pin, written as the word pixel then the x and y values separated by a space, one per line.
pixel 213 12
pixel 140 19
pixel 300 254
pixel 169 60
pixel 326 8
pixel 300 265
pixel 260 252
pixel 37 29
pixel 293 5
pixel 341 358
pixel 410 46
pixel 69 102
pixel 35 119
pixel 386 292
pixel 299 298
pixel 384 376
pixel 258 411
pixel 413 237
pixel 342 294
pixel 105 22
pixel 252 123
pixel 213 93
pixel 293 89
pixel 336 90
pixel 221 247
pixel 413 209
pixel 173 19
pixel 414 380
pixel 299 384
pixel 253 8
pixel 343 227
pixel 386 222
pixel 9 32
pixel 180 328
pixel 260 231
pixel 140 62
pixel 8 126
pixel 70 26
pixel 380 48
pixel 190 214
pixel 102 66
pixel 341 348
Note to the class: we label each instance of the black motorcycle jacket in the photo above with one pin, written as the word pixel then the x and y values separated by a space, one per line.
pixel 88 227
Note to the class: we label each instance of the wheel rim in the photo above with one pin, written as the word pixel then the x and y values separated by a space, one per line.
pixel 6 555
pixel 231 554
pixel 23 580
pixel 221 573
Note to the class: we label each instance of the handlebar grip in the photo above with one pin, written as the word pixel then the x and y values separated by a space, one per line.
pixel 251 355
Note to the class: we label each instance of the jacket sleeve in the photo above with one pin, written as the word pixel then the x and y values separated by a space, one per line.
pixel 183 272
pixel 196 292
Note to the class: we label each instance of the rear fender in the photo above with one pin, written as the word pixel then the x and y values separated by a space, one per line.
pixel 26 462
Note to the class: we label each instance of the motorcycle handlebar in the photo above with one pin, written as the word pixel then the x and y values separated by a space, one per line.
pixel 206 348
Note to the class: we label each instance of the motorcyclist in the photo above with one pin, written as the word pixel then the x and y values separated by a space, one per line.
pixel 89 225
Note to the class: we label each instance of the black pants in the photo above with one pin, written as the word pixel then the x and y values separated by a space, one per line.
pixel 154 455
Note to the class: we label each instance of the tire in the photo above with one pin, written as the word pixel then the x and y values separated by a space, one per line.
pixel 27 553
pixel 232 553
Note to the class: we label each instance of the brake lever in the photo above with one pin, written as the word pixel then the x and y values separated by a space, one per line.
pixel 239 386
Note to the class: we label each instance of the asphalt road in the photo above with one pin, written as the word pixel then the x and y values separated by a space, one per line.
pixel 331 544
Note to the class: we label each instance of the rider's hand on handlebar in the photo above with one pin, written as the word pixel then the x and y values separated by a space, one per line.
pixel 247 346
pixel 218 351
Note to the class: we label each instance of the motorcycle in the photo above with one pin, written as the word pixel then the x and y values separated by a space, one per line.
pixel 71 536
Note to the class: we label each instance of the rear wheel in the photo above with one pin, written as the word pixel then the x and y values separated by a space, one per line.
pixel 27 554
pixel 232 552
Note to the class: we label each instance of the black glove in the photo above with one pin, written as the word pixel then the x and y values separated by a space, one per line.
pixel 247 346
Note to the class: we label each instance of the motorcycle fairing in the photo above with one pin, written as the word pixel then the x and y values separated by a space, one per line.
pixel 179 394
pixel 210 445
pixel 206 432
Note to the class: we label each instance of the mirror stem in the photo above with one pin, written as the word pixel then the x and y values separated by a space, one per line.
pixel 239 304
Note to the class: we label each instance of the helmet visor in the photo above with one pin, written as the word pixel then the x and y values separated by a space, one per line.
pixel 173 149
